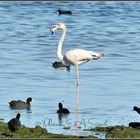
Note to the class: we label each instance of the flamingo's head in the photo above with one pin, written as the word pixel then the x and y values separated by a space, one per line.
pixel 58 26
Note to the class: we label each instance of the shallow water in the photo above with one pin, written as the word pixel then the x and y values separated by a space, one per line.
pixel 109 87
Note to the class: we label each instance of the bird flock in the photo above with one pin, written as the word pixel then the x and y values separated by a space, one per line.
pixel 14 124
pixel 74 57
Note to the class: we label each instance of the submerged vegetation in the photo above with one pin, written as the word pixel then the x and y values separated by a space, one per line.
pixel 118 131
pixel 25 132
pixel 39 132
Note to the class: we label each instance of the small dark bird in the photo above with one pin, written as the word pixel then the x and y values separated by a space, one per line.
pixel 59 65
pixel 59 12
pixel 135 125
pixel 20 104
pixel 14 124
pixel 62 110
pixel 136 109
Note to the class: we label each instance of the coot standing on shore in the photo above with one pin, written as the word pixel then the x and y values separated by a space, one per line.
pixel 14 124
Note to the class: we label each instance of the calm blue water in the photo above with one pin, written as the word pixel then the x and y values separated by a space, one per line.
pixel 109 87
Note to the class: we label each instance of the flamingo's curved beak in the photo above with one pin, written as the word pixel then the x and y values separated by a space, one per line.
pixel 53 29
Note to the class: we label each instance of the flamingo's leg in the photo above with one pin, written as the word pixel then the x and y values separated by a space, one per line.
pixel 77 76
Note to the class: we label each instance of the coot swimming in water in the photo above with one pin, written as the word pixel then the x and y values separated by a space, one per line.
pixel 20 104
pixel 62 110
pixel 59 12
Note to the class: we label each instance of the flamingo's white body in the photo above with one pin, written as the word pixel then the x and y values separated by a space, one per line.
pixel 75 56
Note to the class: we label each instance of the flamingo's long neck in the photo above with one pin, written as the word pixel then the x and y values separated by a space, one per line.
pixel 59 48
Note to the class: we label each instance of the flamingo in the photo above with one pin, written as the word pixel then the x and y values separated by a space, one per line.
pixel 73 57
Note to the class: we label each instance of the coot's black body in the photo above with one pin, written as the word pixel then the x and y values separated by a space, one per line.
pixel 135 125
pixel 14 124
pixel 18 104
pixel 62 110
pixel 60 12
